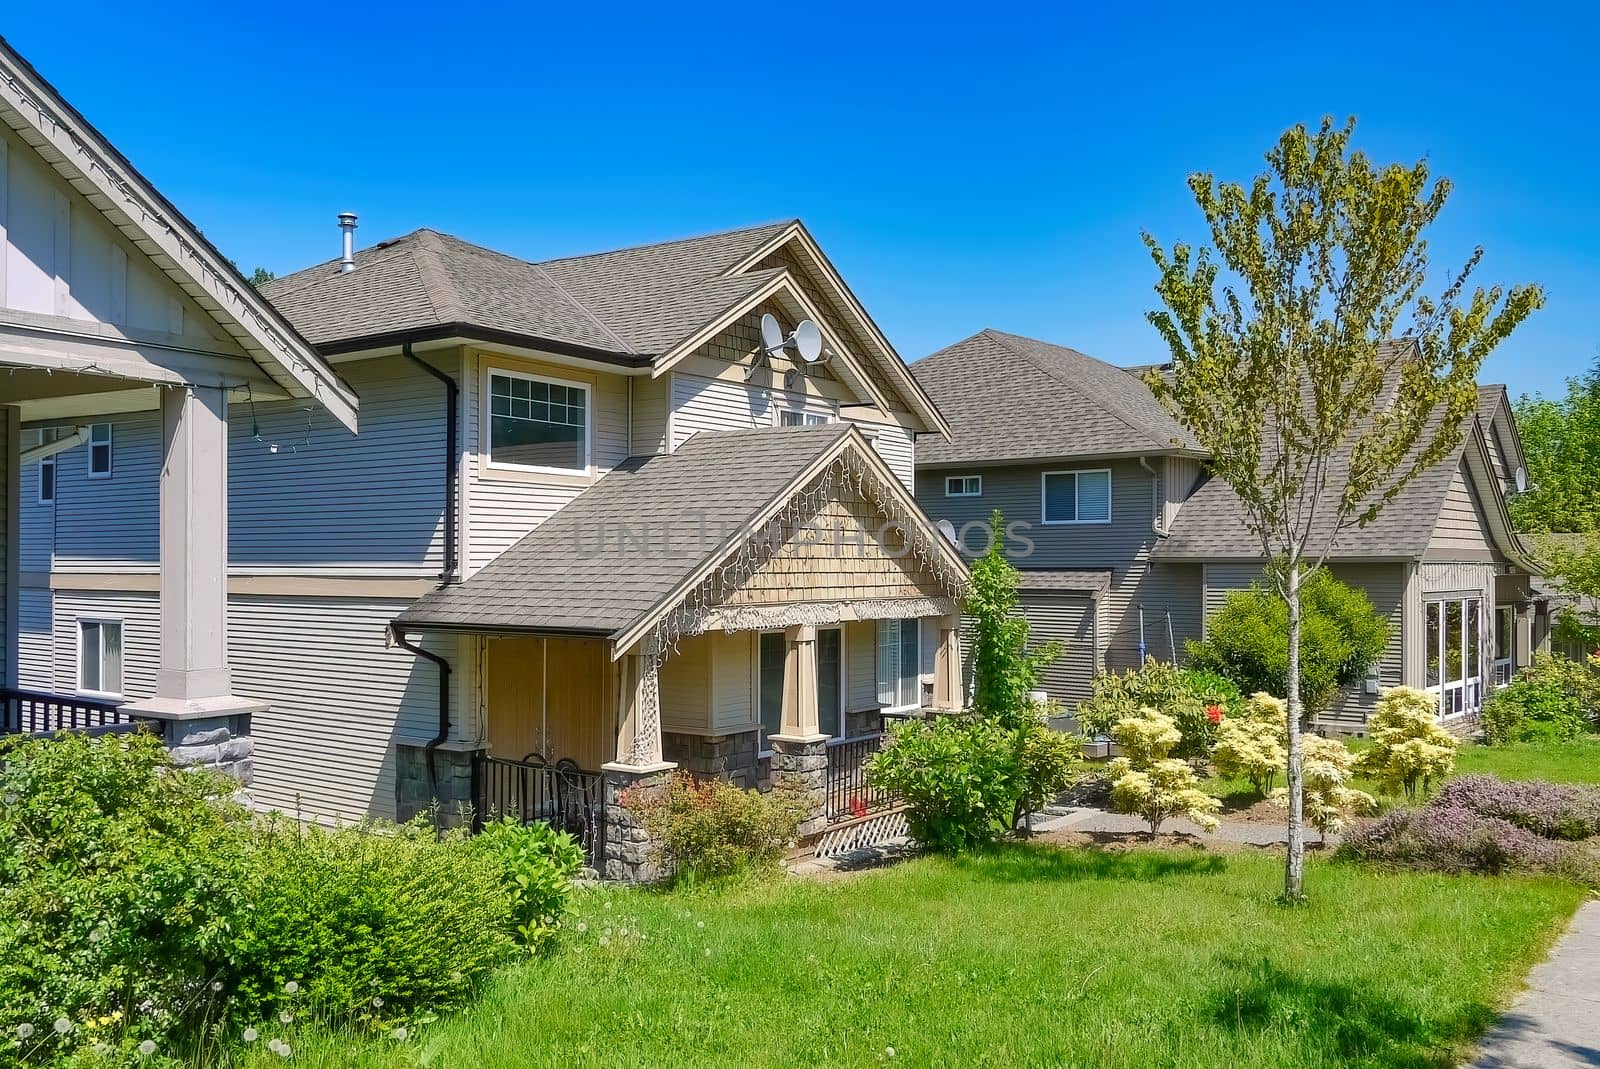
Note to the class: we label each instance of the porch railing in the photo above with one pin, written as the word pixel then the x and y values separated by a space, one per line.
pixel 562 795
pixel 35 712
pixel 1502 672
pixel 849 794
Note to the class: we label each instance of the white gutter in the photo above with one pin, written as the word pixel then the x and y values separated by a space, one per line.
pixel 1156 511
pixel 50 449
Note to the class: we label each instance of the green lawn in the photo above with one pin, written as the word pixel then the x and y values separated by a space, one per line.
pixel 1031 956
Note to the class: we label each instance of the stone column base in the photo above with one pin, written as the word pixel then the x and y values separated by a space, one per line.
pixel 800 768
pixel 211 733
pixel 446 788
pixel 629 854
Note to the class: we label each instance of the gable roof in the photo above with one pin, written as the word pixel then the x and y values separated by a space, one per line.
pixel 93 166
pixel 1010 398
pixel 578 574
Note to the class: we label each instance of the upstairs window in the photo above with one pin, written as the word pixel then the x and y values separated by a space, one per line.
pixel 1076 496
pixel 798 417
pixel 100 451
pixel 538 423
pixel 100 657
pixel 963 486
pixel 47 481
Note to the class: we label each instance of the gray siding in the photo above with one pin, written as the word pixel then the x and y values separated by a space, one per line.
pixel 36 640
pixel 1070 621
pixel 1461 532
pixel 10 445
pixel 36 523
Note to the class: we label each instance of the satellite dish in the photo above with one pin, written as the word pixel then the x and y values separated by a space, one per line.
pixel 947 529
pixel 1522 480
pixel 808 341
pixel 771 333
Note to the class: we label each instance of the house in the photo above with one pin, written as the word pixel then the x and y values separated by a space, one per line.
pixel 591 530
pixel 1127 545
pixel 116 311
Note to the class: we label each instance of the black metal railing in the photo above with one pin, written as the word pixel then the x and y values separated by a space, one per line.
pixel 35 712
pixel 561 795
pixel 850 796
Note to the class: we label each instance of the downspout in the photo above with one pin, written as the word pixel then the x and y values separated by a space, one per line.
pixel 399 636
pixel 452 393
pixel 1155 498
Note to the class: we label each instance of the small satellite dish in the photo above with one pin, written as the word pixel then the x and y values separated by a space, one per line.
pixel 771 333
pixel 947 529
pixel 808 341
pixel 1522 480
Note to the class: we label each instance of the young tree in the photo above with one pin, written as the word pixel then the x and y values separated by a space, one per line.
pixel 1004 669
pixel 1318 375
pixel 1561 437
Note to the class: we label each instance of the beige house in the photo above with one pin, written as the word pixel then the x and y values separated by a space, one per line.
pixel 112 303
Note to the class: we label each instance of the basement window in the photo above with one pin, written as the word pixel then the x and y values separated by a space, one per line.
pixel 100 657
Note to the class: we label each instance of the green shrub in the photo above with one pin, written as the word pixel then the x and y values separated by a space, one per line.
pixel 1048 762
pixel 1255 744
pixel 1185 696
pixel 1247 640
pixel 709 828
pixel 958 777
pixel 1554 699
pixel 537 864
pixel 1004 668
pixel 1409 749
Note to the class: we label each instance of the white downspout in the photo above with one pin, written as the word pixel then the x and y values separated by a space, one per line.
pixel 78 436
pixel 1155 498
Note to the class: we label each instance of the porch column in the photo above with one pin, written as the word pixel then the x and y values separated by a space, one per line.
pixel 947 689
pixel 638 774
pixel 205 722
pixel 638 713
pixel 800 750
pixel 10 476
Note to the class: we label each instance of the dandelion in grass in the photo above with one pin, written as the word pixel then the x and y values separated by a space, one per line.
pixel 583 926
pixel 216 985
pixel 275 1045
pixel 888 1052
pixel 286 1017
pixel 377 1002
pixel 608 905
pixel 708 952
pixel 292 987
pixel 147 1048
pixel 62 1026
pixel 605 940
pixel 250 1035
pixel 400 1034
pixel 284 1050
pixel 101 1047
pixel 24 1030
pixel 97 935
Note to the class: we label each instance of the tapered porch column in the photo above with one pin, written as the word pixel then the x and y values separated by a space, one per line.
pixel 205 722
pixel 800 716
pixel 637 776
pixel 800 749
pixel 948 692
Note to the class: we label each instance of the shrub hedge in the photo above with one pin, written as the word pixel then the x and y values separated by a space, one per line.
pixel 1552 699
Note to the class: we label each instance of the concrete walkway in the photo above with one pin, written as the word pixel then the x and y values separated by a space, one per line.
pixel 1555 1023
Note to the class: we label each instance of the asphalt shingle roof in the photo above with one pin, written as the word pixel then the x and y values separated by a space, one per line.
pixel 631 303
pixel 1009 398
pixel 1065 581
pixel 576 573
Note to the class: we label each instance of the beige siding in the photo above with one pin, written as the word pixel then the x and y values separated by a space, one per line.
pixel 652 404
pixel 1461 532
pixel 861 665
pixel 686 686
pixel 733 681
pixel 10 445
pixel 897 446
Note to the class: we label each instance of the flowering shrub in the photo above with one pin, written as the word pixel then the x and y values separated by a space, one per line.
pixel 709 828
pixel 1409 748
pixel 1184 695
pixel 958 777
pixel 1555 811
pixel 1327 802
pixel 1254 745
pixel 1554 698
pixel 1146 781
pixel 1451 838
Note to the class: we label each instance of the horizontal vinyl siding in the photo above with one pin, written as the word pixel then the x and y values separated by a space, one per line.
pixel 1070 621
pixel 1443 578
pixel 733 681
pixel 897 446
pixel 1385 587
pixel 10 441
pixel 36 523
pixel 504 507
pixel 686 686
pixel 1223 579
pixel 702 404
pixel 141 637
pixel 651 406
pixel 36 641
pixel 113 524
pixel 861 665
pixel 1170 596
pixel 1461 530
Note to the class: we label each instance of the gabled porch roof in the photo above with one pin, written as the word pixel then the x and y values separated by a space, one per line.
pixel 644 543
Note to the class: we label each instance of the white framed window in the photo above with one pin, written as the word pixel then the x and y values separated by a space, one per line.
pixel 100 657
pixel 100 451
pixel 537 423
pixel 963 486
pixel 1455 637
pixel 772 658
pixel 899 664
pixel 830 682
pixel 797 416
pixel 1075 496
pixel 47 481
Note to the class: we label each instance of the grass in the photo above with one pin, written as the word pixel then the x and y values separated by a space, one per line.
pixel 1028 956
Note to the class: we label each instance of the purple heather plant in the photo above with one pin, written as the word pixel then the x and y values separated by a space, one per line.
pixel 1553 810
pixel 1453 838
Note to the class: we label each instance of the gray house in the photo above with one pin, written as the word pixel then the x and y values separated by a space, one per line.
pixel 1129 545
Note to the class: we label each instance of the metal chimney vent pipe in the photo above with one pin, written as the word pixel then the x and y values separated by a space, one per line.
pixel 347 223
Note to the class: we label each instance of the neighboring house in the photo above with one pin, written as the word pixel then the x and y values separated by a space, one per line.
pixel 619 408
pixel 1133 545
pixel 115 312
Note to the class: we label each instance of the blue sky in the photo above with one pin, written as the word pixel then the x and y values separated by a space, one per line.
pixel 973 166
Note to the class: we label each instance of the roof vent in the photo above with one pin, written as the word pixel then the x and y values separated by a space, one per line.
pixel 347 223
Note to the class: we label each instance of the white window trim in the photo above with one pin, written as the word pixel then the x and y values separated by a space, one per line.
pixel 1044 481
pixel 916 705
pixel 55 476
pixel 761 727
pixel 790 403
pixel 1444 689
pixel 111 454
pixel 962 479
pixel 122 630
pixel 487 416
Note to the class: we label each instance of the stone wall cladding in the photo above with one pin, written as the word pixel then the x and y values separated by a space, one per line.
pixel 730 757
pixel 630 855
pixel 863 722
pixel 450 788
pixel 801 768
pixel 220 743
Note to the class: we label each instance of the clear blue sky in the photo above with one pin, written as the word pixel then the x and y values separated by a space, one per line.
pixel 972 166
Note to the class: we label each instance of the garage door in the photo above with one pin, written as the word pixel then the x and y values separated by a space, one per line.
pixel 1060 618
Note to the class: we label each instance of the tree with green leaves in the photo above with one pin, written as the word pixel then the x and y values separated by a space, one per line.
pixel 1316 373
pixel 1561 437
pixel 1004 668
pixel 260 277
pixel 1572 563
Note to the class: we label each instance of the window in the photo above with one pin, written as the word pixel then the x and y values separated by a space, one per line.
pixel 47 481
pixel 1076 496
pixel 1505 648
pixel 797 417
pixel 963 486
pixel 100 451
pixel 773 658
pixel 538 423
pixel 1455 654
pixel 830 682
pixel 899 664
pixel 100 656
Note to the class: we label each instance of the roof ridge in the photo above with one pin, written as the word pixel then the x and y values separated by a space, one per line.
pixel 430 268
pixel 1112 408
pixel 670 241
pixel 585 309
